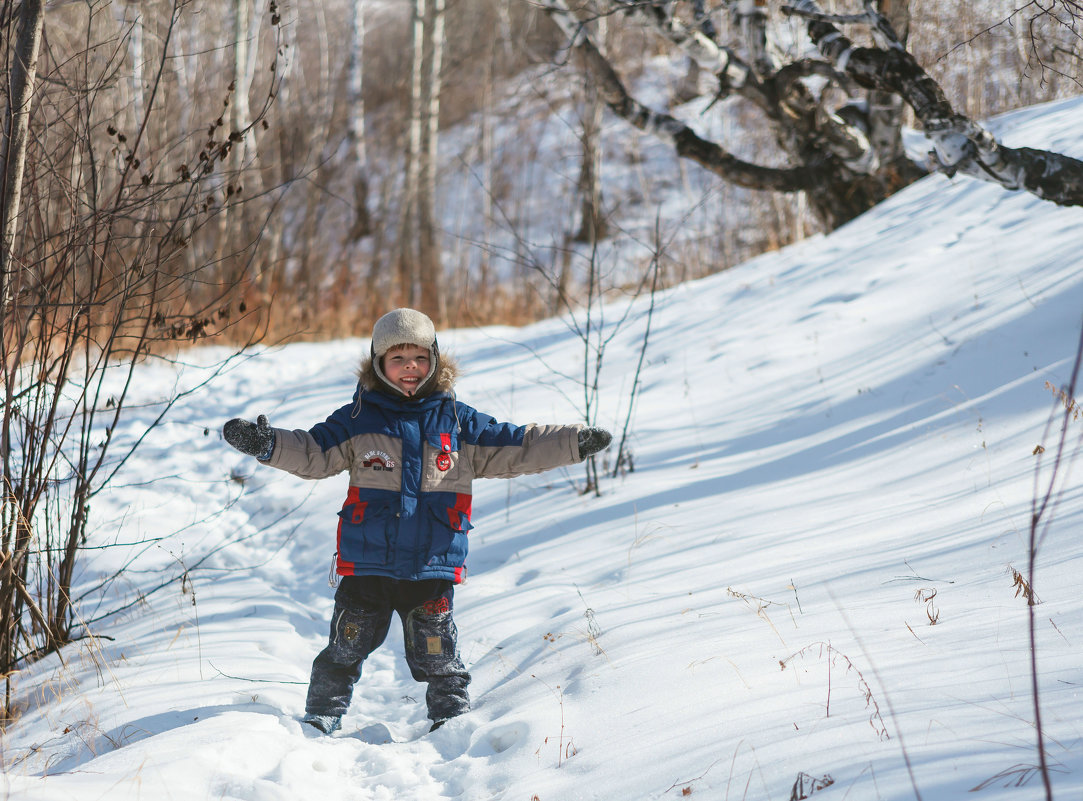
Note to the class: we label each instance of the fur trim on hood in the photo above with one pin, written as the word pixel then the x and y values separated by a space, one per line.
pixel 445 381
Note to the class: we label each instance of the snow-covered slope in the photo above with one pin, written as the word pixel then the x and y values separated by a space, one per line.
pixel 807 576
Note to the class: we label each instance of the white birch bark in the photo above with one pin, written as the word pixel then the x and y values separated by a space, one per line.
pixel 246 20
pixel 960 145
pixel 130 19
pixel 408 261
pixel 592 227
pixel 433 296
pixel 239 110
pixel 23 76
pixel 886 108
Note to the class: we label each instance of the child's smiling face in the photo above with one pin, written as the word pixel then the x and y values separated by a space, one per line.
pixel 406 367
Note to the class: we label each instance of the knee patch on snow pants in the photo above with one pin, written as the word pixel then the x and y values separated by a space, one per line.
pixel 355 633
pixel 431 643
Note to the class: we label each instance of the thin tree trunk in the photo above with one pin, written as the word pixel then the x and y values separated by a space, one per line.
pixel 318 135
pixel 239 108
pixel 16 131
pixel 231 221
pixel 269 275
pixel 131 21
pixel 486 156
pixel 430 264
pixel 238 111
pixel 355 122
pixel 592 226
pixel 408 260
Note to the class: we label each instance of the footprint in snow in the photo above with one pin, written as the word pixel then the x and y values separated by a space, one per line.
pixel 499 739
pixel 375 734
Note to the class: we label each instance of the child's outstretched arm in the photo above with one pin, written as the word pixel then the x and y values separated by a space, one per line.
pixel 502 450
pixel 322 451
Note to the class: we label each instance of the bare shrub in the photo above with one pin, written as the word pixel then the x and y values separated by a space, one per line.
pixel 100 276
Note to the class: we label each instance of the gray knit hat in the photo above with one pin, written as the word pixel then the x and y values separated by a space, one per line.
pixel 405 327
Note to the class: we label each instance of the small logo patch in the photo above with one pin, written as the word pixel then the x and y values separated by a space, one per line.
pixel 434 645
pixel 437 606
pixel 350 632
pixel 378 460
pixel 443 462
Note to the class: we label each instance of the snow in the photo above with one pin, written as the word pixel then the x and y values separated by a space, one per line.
pixel 808 574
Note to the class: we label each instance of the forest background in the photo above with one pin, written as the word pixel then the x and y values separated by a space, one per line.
pixel 349 157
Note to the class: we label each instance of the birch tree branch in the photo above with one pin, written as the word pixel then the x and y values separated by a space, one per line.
pixel 685 141
pixel 960 145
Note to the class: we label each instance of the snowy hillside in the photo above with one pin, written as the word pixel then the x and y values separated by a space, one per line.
pixel 808 575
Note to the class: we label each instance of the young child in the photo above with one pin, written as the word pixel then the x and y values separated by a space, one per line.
pixel 412 451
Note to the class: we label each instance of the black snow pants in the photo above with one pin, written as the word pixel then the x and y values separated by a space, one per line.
pixel 362 618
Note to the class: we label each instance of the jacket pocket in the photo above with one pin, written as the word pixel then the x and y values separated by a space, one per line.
pixel 441 457
pixel 365 533
pixel 449 535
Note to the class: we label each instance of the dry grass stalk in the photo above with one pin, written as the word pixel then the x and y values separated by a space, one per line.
pixel 1015 776
pixel 1071 405
pixel 1022 587
pixel 566 748
pixel 833 654
pixel 759 606
pixel 926 596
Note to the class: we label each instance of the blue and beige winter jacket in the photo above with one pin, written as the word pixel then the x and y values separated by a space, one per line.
pixel 411 464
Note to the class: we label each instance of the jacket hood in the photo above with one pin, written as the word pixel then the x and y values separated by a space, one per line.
pixel 447 373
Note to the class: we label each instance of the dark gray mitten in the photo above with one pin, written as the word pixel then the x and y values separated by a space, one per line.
pixel 592 440
pixel 256 439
